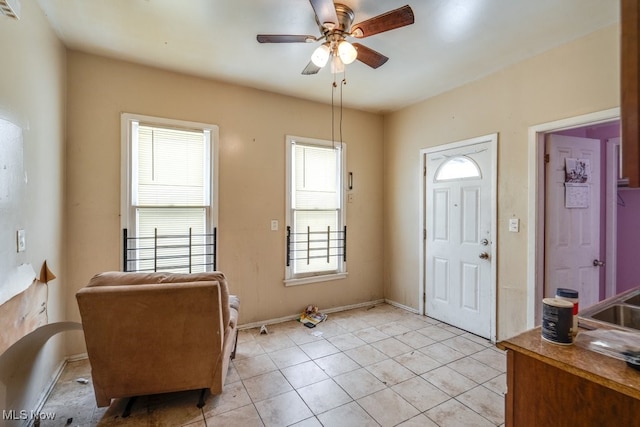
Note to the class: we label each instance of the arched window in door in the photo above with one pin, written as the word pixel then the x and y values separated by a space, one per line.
pixel 459 167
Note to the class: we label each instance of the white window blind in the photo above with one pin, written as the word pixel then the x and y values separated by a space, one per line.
pixel 172 167
pixel 316 177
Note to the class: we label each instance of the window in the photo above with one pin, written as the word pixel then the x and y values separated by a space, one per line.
pixel 457 168
pixel 169 194
pixel 316 227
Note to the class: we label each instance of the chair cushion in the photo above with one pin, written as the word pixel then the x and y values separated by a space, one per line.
pixel 233 318
pixel 234 302
pixel 115 278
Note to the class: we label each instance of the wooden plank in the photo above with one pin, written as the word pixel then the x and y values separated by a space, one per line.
pixel 630 90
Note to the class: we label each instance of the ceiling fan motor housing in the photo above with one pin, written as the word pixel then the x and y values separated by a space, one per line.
pixel 345 19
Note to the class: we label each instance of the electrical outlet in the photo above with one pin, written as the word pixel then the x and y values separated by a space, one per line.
pixel 21 241
pixel 274 225
pixel 514 225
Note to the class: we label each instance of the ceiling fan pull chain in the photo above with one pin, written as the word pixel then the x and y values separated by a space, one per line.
pixel 333 89
pixel 344 82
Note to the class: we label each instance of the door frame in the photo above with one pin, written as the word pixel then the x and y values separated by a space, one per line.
pixel 535 215
pixel 492 140
pixel 612 175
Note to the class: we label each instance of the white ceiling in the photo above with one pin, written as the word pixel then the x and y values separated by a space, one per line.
pixel 451 43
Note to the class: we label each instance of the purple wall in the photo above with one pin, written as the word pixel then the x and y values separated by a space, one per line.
pixel 628 258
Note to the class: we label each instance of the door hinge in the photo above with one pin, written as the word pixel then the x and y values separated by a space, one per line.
pixel 546 158
pixel 424 171
pixel 424 234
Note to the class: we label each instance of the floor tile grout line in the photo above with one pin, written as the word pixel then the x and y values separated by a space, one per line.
pixel 332 378
pixel 401 324
pixel 470 408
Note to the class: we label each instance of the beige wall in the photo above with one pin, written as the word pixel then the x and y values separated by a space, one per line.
pixel 253 125
pixel 76 228
pixel 32 96
pixel 573 79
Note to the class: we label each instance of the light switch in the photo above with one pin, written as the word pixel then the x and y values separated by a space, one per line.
pixel 21 241
pixel 514 225
pixel 274 225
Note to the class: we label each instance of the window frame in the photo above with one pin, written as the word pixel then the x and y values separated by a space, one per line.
pixel 292 279
pixel 127 157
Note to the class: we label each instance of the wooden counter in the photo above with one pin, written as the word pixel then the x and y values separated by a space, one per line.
pixel 554 385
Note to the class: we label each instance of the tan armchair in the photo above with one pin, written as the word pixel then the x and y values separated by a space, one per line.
pixel 158 332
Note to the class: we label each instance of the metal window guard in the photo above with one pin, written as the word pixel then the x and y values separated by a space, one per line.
pixel 176 253
pixel 323 242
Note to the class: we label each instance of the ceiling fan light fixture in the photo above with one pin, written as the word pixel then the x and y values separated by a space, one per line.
pixel 321 55
pixel 337 66
pixel 347 52
pixel 335 22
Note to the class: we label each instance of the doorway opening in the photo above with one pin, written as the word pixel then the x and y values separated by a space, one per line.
pixel 562 214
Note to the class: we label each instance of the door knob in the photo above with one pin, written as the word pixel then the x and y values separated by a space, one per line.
pixel 484 255
pixel 598 263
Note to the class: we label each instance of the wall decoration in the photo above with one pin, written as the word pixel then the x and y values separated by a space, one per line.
pixel 576 195
pixel 577 170
pixel 576 183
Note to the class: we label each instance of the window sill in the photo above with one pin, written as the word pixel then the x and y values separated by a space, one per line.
pixel 315 279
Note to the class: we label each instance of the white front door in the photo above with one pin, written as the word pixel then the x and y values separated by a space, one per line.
pixel 572 217
pixel 459 252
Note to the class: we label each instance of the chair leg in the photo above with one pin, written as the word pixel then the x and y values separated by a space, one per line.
pixel 127 409
pixel 202 398
pixel 235 346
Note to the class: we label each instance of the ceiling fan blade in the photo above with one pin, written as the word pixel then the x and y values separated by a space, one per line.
pixel 285 38
pixel 387 21
pixel 369 56
pixel 325 11
pixel 311 68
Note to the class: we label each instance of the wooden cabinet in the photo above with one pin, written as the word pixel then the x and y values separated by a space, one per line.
pixel 630 89
pixel 539 394
pixel 554 385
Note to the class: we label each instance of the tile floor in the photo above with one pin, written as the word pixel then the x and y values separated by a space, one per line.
pixel 375 366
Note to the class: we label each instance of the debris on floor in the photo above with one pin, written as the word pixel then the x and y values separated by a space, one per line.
pixel 310 317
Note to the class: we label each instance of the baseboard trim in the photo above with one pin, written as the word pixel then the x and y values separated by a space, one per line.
pixel 77 357
pixel 46 392
pixel 402 306
pixel 52 383
pixel 295 316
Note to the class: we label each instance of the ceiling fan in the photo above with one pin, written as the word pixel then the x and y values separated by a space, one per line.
pixel 335 24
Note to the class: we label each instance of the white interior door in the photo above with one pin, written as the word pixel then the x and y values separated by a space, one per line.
pixel 460 280
pixel 572 234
